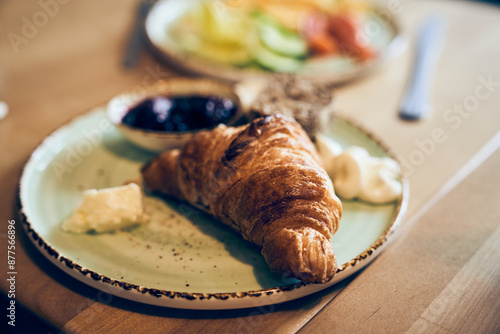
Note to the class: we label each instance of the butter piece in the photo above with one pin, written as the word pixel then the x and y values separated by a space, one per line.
pixel 107 210
pixel 381 182
pixel 328 150
pixel 357 174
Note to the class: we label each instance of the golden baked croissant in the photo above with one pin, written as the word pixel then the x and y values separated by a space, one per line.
pixel 265 181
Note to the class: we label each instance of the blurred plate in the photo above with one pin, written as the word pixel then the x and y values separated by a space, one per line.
pixel 181 258
pixel 384 37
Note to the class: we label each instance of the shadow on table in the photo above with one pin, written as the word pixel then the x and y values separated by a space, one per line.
pixel 494 2
pixel 26 321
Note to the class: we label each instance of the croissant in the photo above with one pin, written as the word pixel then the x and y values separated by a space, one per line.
pixel 264 180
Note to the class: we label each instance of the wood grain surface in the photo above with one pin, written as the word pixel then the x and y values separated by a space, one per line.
pixel 442 273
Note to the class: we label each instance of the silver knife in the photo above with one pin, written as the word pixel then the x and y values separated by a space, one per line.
pixel 416 101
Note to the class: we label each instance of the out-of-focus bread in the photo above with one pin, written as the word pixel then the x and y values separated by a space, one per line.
pixel 311 104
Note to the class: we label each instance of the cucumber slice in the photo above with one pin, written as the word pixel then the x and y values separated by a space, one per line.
pixel 279 39
pixel 275 62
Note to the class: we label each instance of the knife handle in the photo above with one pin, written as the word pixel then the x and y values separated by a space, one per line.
pixel 415 104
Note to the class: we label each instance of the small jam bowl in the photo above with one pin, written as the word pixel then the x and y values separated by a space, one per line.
pixel 159 141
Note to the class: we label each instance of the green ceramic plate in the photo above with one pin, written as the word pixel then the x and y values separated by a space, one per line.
pixel 382 35
pixel 182 258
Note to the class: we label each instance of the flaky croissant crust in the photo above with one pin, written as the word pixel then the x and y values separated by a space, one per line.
pixel 264 180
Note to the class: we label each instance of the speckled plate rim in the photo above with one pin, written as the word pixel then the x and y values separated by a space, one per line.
pixel 196 65
pixel 204 301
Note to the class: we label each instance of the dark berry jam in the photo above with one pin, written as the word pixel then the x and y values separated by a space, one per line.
pixel 182 113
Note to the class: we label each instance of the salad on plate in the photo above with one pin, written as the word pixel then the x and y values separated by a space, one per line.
pixel 276 35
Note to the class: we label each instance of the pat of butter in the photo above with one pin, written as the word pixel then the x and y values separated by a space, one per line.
pixel 357 174
pixel 107 210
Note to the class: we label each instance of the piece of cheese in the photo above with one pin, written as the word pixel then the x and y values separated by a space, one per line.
pixel 106 210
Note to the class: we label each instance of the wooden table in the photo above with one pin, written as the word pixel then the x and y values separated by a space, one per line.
pixel 442 274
